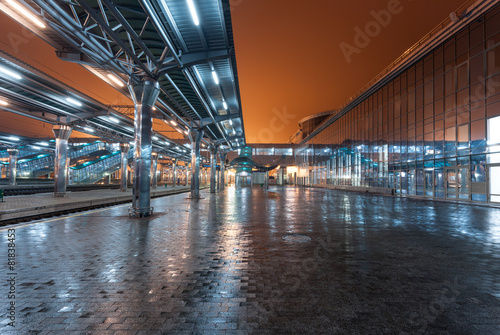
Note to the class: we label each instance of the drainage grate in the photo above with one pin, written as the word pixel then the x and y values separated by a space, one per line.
pixel 296 238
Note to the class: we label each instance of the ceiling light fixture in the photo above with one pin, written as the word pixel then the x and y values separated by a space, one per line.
pixel 73 102
pixel 26 13
pixel 90 130
pixel 116 80
pixel 3 103
pixel 224 104
pixel 10 73
pixel 216 78
pixel 194 15
pixel 113 119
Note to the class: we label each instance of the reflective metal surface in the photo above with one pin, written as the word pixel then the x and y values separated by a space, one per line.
pixel 195 136
pixel 62 134
pixel 154 178
pixel 174 172
pixel 221 184
pixel 144 95
pixel 213 167
pixel 124 148
pixel 12 165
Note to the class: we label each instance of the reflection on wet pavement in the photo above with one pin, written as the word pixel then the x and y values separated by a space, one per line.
pixel 220 265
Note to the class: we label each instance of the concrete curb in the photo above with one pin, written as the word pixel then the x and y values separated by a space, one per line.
pixel 24 214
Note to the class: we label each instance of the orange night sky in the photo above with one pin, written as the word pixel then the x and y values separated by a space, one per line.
pixel 290 61
pixel 289 56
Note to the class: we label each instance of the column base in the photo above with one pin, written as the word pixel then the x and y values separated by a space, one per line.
pixel 191 196
pixel 140 212
pixel 60 194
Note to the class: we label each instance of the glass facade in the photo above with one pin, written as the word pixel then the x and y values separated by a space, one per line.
pixel 431 131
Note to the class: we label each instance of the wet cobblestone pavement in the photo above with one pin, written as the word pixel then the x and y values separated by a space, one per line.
pixel 231 264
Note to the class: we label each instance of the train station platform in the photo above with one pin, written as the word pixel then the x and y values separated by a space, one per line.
pixel 254 261
pixel 32 206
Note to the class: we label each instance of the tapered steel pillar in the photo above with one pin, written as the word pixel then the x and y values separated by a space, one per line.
pixel 222 157
pixel 213 166
pixel 12 165
pixel 154 179
pixel 144 95
pixel 174 172
pixel 62 134
pixel 124 148
pixel 186 169
pixel 195 136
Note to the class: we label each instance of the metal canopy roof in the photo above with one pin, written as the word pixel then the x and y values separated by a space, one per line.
pixel 156 38
pixel 34 94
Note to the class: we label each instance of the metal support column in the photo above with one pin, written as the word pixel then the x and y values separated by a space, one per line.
pixel 213 166
pixel 124 148
pixel 154 179
pixel 174 172
pixel 144 95
pixel 267 180
pixel 186 169
pixel 222 156
pixel 195 136
pixel 62 133
pixel 12 165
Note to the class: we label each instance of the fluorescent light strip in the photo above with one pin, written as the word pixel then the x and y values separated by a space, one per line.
pixel 26 13
pixel 13 138
pixel 216 78
pixel 224 104
pixel 113 119
pixel 90 130
pixel 3 102
pixel 194 15
pixel 74 102
pixel 10 73
pixel 116 80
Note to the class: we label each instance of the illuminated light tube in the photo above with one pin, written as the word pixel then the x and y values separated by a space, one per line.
pixel 26 13
pixel 224 104
pixel 45 144
pixel 173 123
pixel 35 147
pixel 216 78
pixel 73 102
pixel 13 138
pixel 113 119
pixel 116 80
pixel 231 122
pixel 186 132
pixel 166 143
pixel 194 15
pixel 10 73
pixel 90 130
pixel 155 138
pixel 3 103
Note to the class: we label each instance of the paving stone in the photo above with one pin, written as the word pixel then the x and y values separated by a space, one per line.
pixel 219 265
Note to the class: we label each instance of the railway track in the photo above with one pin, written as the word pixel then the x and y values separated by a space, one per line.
pixel 26 190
